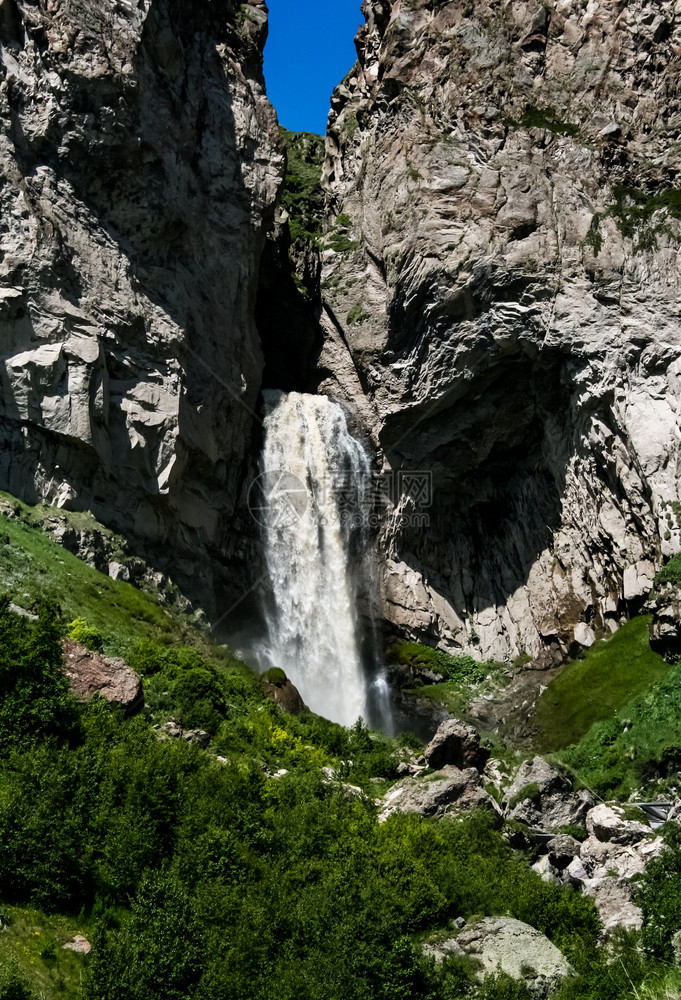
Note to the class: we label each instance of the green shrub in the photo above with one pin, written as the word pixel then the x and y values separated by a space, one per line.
pixel 12 987
pixel 658 893
pixel 670 573
pixel 148 657
pixel 35 703
pixel 275 676
pixel 357 314
pixel 85 634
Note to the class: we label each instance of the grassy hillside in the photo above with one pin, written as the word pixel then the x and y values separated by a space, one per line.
pixel 597 686
pixel 254 869
pixel 33 567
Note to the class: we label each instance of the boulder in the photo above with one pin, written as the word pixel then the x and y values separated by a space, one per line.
pixel 170 729
pixel 198 736
pixel 456 743
pixel 616 908
pixel 279 688
pixel 517 949
pixel 561 851
pixel 80 945
pixel 610 823
pixel 91 674
pixel 447 791
pixel 542 797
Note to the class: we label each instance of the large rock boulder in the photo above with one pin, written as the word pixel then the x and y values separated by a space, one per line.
pixel 512 946
pixel 91 674
pixel 279 688
pixel 610 824
pixel 450 790
pixel 456 743
pixel 542 797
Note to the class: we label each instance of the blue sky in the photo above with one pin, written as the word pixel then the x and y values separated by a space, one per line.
pixel 309 50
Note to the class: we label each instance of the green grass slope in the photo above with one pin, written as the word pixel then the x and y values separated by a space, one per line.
pixel 596 687
pixel 32 945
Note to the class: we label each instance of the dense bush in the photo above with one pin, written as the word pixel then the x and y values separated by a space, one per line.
pixel 214 881
pixel 35 704
pixel 659 896
pixel 12 986
pixel 670 573
pixel 87 635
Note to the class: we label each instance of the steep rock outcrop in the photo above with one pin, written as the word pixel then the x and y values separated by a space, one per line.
pixel 503 311
pixel 140 163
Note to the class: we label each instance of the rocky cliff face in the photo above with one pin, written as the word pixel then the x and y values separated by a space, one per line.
pixel 140 163
pixel 502 306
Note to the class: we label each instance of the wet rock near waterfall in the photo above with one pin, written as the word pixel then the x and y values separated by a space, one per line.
pixel 456 743
pixel 509 945
pixel 541 796
pixel 280 689
pixel 91 674
pixel 448 791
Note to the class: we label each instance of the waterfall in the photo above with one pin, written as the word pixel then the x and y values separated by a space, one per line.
pixel 315 491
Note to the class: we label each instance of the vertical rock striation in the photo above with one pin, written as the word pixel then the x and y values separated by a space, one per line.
pixel 139 167
pixel 504 309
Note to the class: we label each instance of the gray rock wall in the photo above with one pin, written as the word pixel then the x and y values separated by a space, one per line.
pixel 139 166
pixel 504 314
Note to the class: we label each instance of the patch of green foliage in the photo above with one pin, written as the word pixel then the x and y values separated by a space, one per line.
pixel 35 704
pixel 422 657
pixel 35 569
pixel 302 194
pixel 340 242
pixel 597 686
pixel 530 791
pixel 87 635
pixel 460 674
pixel 637 746
pixel 357 314
pixel 276 676
pixel 634 212
pixel 544 118
pixel 658 893
pixel 670 573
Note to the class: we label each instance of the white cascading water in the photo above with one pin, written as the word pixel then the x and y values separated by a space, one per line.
pixel 317 477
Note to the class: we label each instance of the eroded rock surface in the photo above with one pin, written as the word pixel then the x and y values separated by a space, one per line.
pixel 502 308
pixel 542 797
pixel 140 163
